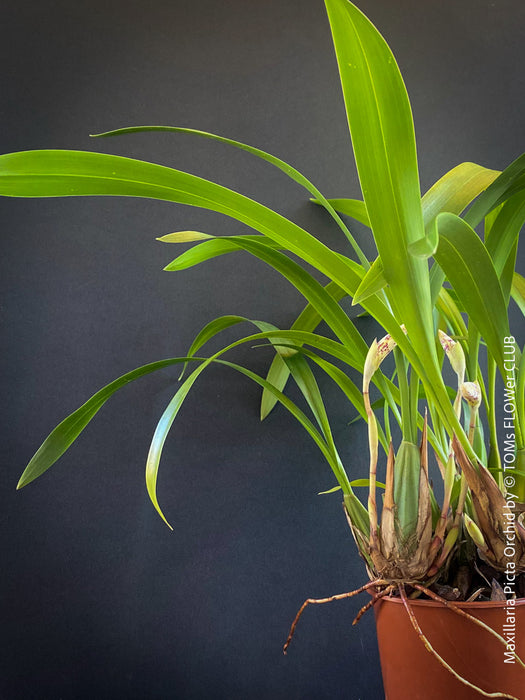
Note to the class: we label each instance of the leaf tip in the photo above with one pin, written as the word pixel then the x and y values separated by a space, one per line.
pixel 23 481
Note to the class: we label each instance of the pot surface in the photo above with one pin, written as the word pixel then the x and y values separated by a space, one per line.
pixel 411 671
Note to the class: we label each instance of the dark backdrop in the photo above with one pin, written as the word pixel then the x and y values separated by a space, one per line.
pixel 99 598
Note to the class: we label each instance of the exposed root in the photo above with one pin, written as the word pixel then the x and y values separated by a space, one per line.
pixel 448 604
pixel 386 587
pixel 439 658
pixel 318 601
pixel 372 602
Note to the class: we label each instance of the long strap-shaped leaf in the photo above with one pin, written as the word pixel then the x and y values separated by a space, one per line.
pixel 383 140
pixel 312 290
pixel 171 411
pixel 467 264
pixel 286 168
pixel 518 291
pixel 509 182
pixel 454 191
pixel 212 248
pixel 56 173
pixel 501 240
pixel 63 436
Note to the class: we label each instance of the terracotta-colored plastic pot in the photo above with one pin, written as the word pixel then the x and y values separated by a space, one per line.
pixel 410 671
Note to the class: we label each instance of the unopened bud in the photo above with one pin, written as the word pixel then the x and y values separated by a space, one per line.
pixel 451 539
pixel 454 352
pixel 474 531
pixel 471 392
pixel 376 354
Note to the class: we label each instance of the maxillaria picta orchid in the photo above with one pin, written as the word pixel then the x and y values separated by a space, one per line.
pixel 436 288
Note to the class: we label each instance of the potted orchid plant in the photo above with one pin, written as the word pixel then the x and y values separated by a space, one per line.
pixel 439 286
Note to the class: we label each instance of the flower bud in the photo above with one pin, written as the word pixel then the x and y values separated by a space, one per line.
pixel 455 354
pixel 451 539
pixel 376 354
pixel 474 531
pixel 471 392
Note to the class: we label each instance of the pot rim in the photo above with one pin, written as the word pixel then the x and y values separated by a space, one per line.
pixel 477 604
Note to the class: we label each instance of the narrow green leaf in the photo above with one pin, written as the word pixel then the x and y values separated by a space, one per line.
pixel 354 208
pixel 507 274
pixel 518 291
pixel 452 192
pixel 183 237
pixel 509 182
pixel 365 483
pixel 382 131
pixel 456 189
pixel 425 247
pixel 278 372
pixel 75 173
pixel 213 248
pixel 312 290
pixel 305 380
pixel 374 281
pixel 220 324
pixel 502 238
pixel 467 264
pixel 62 437
pixel 273 160
pixel 336 488
pixel 171 411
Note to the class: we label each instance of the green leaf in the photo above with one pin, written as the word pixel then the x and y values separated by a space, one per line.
pixel 273 160
pixel 75 173
pixel 171 411
pixel 323 493
pixel 374 281
pixel 502 237
pixel 509 182
pixel 425 247
pixel 183 237
pixel 355 208
pixel 456 189
pixel 220 324
pixel 355 483
pixel 467 264
pixel 452 193
pixel 60 439
pixel 213 248
pixel 518 291
pixel 278 373
pixel 382 131
pixel 347 386
pixel 309 388
pixel 312 290
pixel 78 173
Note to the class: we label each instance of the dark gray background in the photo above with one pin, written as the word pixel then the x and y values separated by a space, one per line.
pixel 99 598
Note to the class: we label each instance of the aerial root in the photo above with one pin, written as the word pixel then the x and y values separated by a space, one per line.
pixel 439 658
pixel 372 602
pixel 463 613
pixel 319 601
